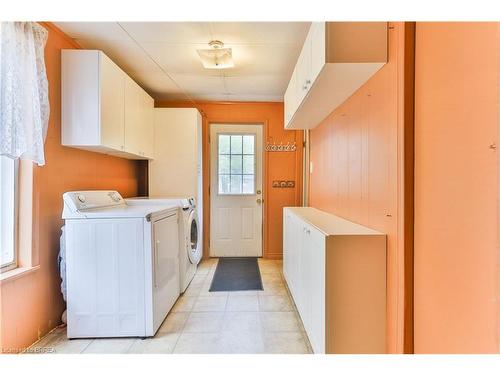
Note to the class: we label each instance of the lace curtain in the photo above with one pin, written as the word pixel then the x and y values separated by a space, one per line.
pixel 24 95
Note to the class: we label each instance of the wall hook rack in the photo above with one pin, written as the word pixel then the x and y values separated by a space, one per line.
pixel 274 147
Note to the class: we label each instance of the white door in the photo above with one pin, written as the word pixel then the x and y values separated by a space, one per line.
pixel 236 190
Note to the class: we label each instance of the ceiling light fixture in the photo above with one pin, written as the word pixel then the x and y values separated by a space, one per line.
pixel 216 57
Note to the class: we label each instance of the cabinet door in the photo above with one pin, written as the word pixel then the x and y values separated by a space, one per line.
pixel 291 240
pixel 316 289
pixel 318 50
pixel 147 146
pixel 304 70
pixel 296 239
pixel 287 234
pixel 138 120
pixel 111 82
pixel 133 117
pixel 165 266
pixel 290 98
pixel 306 251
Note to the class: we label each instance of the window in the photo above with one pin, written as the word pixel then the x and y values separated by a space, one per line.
pixel 236 164
pixel 8 212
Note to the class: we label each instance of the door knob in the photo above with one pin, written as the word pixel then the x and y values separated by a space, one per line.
pixel 259 192
pixel 259 200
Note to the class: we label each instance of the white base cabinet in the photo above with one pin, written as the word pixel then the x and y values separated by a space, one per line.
pixel 336 273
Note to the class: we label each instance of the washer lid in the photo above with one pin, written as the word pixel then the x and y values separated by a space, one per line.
pixel 193 237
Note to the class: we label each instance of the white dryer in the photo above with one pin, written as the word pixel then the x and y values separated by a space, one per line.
pixel 190 247
pixel 122 264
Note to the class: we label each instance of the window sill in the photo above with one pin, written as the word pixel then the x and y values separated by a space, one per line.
pixel 16 273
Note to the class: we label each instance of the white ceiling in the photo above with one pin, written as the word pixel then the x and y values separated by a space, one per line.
pixel 162 57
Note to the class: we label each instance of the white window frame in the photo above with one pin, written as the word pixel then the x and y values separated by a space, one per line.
pixel 254 163
pixel 15 217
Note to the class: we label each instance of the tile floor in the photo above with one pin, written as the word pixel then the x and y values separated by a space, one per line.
pixel 252 322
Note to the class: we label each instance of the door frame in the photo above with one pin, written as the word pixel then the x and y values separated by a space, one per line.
pixel 265 161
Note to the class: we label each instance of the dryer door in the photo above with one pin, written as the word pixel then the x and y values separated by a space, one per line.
pixel 194 250
pixel 165 259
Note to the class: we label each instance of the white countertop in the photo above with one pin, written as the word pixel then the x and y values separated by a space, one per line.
pixel 329 224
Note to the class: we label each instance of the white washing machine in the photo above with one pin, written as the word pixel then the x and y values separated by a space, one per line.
pixel 122 264
pixel 190 246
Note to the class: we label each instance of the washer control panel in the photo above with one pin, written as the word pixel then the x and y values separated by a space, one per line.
pixel 85 200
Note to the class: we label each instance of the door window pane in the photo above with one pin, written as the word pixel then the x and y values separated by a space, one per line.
pixel 248 144
pixel 236 144
pixel 236 184
pixel 224 144
pixel 224 184
pixel 224 164
pixel 248 184
pixel 248 164
pixel 236 163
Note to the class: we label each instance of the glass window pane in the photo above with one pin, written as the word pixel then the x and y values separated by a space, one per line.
pixel 248 184
pixel 224 184
pixel 236 164
pixel 7 210
pixel 224 164
pixel 224 144
pixel 236 146
pixel 248 144
pixel 248 164
pixel 236 184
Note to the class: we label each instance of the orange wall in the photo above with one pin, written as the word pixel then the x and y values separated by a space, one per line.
pixel 357 159
pixel 277 165
pixel 32 304
pixel 456 190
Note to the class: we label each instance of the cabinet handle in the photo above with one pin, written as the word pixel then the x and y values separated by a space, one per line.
pixel 308 81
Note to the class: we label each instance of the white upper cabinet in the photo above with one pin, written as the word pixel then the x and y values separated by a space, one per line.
pixel 103 109
pixel 337 58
